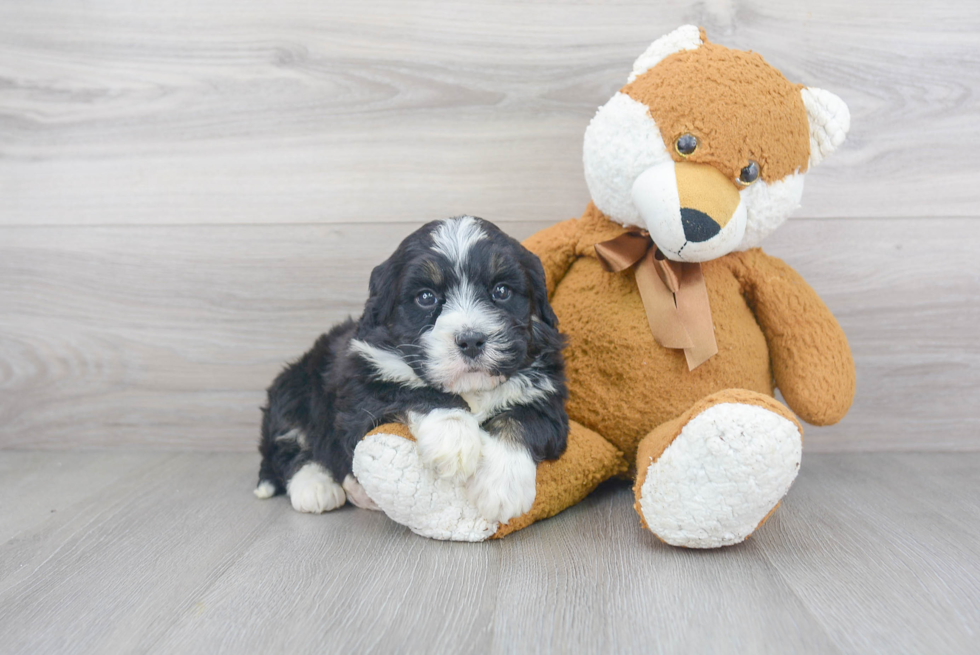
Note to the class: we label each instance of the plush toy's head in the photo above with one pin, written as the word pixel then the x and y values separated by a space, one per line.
pixel 706 147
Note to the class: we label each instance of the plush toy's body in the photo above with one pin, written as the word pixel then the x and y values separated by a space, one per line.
pixel 704 150
pixel 623 384
pixel 628 388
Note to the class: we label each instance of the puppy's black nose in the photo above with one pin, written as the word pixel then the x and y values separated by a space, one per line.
pixel 698 226
pixel 471 343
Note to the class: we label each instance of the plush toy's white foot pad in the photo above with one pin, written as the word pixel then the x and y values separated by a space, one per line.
pixel 391 472
pixel 312 489
pixel 721 476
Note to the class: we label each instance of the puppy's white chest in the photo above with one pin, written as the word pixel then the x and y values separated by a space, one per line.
pixel 482 403
pixel 518 390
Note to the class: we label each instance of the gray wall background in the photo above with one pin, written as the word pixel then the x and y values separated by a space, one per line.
pixel 191 192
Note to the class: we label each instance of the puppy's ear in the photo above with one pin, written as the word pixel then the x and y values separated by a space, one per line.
pixel 539 290
pixel 383 292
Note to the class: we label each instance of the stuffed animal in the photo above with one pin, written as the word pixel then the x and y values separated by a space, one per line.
pixel 679 328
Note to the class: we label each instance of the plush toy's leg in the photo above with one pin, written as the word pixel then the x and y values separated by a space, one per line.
pixel 715 474
pixel 387 466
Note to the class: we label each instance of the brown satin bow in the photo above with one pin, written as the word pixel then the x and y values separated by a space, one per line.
pixel 673 293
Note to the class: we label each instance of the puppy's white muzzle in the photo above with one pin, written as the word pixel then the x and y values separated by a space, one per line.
pixel 450 363
pixel 692 211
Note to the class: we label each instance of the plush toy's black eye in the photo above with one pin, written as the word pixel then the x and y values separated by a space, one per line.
pixel 686 144
pixel 749 174
pixel 501 292
pixel 426 299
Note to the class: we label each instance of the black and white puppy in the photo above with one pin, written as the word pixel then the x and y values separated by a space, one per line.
pixel 457 341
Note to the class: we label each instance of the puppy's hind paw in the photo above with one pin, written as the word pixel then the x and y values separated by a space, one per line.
pixel 449 441
pixel 504 484
pixel 312 490
pixel 265 489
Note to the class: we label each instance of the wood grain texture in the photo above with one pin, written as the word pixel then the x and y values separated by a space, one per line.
pixel 166 337
pixel 28 496
pixel 312 111
pixel 868 554
pixel 875 501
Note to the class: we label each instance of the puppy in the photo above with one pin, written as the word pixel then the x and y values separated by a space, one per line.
pixel 457 341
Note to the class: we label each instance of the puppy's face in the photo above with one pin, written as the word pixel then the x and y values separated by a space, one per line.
pixel 461 303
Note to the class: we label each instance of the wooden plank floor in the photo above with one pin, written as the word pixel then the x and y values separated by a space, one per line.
pixel 170 553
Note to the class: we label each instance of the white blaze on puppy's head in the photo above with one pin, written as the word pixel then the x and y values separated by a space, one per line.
pixel 706 147
pixel 455 237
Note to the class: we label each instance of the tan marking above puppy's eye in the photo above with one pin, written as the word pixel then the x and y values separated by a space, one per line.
pixel 686 144
pixel 497 262
pixel 432 270
pixel 749 174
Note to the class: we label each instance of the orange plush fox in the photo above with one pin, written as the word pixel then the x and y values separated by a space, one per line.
pixel 679 328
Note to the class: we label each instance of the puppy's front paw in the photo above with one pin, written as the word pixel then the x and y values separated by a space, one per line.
pixel 448 441
pixel 504 484
pixel 312 490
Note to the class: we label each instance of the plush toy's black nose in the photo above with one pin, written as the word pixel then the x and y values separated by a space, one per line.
pixel 471 343
pixel 698 226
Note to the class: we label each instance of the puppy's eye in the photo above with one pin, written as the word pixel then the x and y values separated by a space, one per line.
pixel 426 299
pixel 686 144
pixel 501 292
pixel 749 174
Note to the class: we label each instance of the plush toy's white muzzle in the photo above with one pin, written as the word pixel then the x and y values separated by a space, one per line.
pixel 693 213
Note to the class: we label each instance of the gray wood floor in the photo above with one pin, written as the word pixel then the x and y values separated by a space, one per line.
pixel 170 553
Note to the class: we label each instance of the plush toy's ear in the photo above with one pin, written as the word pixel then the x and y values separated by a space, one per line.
pixel 686 37
pixel 829 121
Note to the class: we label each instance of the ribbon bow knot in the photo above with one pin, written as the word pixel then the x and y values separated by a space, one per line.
pixel 674 295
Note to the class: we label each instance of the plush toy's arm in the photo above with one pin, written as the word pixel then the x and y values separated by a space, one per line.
pixel 811 361
pixel 557 248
